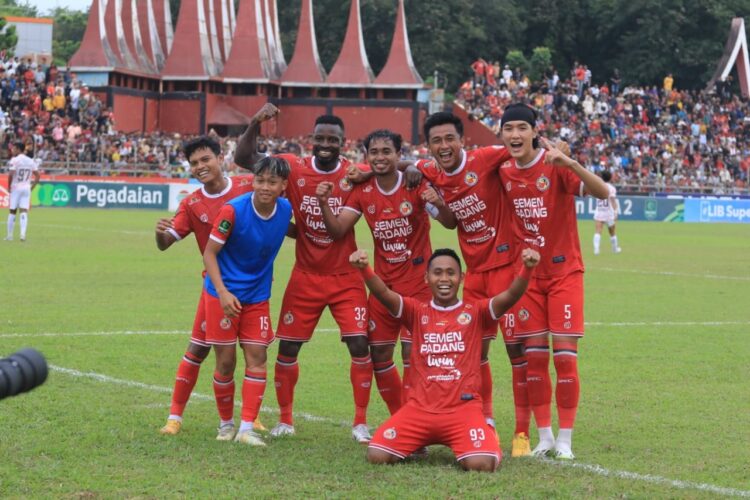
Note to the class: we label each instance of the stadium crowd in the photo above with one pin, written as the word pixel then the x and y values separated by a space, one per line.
pixel 650 138
pixel 670 139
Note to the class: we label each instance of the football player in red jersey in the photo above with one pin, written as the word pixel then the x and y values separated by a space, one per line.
pixel 468 180
pixel 540 186
pixel 196 214
pixel 322 276
pixel 400 225
pixel 445 403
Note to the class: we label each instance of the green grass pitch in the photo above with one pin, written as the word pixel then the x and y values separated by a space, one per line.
pixel 665 370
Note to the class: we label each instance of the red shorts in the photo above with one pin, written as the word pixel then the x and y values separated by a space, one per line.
pixel 485 285
pixel 251 326
pixel 384 329
pixel 306 296
pixel 464 431
pixel 551 305
pixel 198 336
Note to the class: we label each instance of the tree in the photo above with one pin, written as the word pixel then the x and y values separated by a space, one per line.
pixel 70 26
pixel 516 59
pixel 540 61
pixel 8 37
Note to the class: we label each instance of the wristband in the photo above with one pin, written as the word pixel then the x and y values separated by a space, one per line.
pixel 526 273
pixel 367 272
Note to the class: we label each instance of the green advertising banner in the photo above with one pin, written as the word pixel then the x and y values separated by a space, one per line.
pixel 100 195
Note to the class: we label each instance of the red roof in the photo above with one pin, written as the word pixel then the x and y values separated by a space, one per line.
pixel 94 51
pixel 399 70
pixel 305 66
pixel 132 32
pixel 248 60
pixel 190 57
pixel 352 67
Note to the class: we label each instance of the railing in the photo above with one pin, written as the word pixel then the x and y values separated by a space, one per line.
pixel 652 188
pixel 108 169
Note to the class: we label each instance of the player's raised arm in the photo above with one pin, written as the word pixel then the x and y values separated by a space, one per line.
pixel 592 183
pixel 442 213
pixel 247 154
pixel 390 299
pixel 337 226
pixel 164 238
pixel 505 300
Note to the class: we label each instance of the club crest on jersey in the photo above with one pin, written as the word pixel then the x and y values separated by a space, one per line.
pixel 225 324
pixel 477 444
pixel 567 325
pixel 405 208
pixel 194 200
pixel 367 189
pixel 542 183
pixel 464 318
pixel 288 318
pixel 371 326
pixel 508 186
pixel 204 218
pixel 523 314
pixel 345 184
pixel 390 433
pixel 371 210
pixel 301 182
pixel 471 178
pixel 425 320
pixel 360 324
pixel 224 226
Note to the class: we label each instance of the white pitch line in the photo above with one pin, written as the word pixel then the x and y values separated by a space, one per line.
pixel 672 273
pixel 594 469
pixel 95 229
pixel 331 330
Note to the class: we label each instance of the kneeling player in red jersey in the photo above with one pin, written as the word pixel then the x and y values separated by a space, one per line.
pixel 540 185
pixel 445 403
pixel 196 214
pixel 247 236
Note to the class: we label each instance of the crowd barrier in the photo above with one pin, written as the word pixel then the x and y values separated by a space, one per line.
pixel 162 195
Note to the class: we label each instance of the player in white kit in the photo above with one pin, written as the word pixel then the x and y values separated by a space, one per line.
pixel 606 212
pixel 23 175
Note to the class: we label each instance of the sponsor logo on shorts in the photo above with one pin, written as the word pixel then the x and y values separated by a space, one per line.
pixel 405 208
pixel 224 226
pixel 464 318
pixel 503 248
pixel 264 334
pixel 225 324
pixel 301 182
pixel 371 326
pixel 204 218
pixel 565 380
pixel 508 186
pixel 203 326
pixel 558 259
pixel 345 184
pixel 477 444
pixel 542 183
pixel 471 178
pixel 288 318
pixel 371 209
pixel 523 314
pixel 567 325
pixel 390 433
pixel 360 324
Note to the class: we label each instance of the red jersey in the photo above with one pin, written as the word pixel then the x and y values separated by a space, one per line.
pixel 543 197
pixel 471 192
pixel 198 210
pixel 316 251
pixel 400 228
pixel 446 352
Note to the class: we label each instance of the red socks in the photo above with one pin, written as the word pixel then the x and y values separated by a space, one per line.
pixel 538 380
pixel 486 372
pixel 285 378
pixel 521 394
pixel 224 392
pixel 360 374
pixel 187 375
pixel 253 387
pixel 567 391
pixel 389 384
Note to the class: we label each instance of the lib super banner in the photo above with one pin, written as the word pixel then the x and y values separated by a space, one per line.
pixel 100 195
pixel 712 210
pixel 643 208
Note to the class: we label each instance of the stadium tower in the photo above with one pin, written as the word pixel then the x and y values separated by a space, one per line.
pixel 219 66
